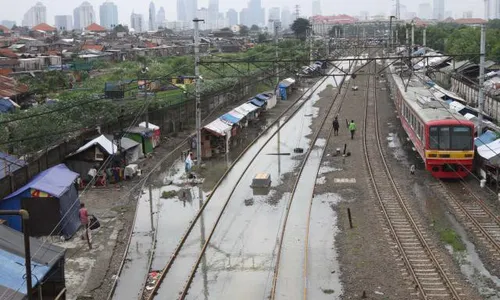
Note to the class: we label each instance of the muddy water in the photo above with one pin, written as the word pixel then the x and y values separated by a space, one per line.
pixel 240 258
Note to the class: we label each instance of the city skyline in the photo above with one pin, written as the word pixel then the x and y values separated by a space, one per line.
pixel 125 8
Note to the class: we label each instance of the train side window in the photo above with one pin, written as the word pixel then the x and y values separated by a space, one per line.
pixel 433 138
pixel 444 138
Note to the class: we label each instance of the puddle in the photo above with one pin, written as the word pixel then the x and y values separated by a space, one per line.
pixel 472 267
pixel 397 145
pixel 324 269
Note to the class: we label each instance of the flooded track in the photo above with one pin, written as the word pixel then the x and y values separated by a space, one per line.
pixel 476 213
pixel 186 257
pixel 290 276
pixel 431 279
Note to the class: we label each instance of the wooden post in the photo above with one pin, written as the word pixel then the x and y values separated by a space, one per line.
pixel 350 218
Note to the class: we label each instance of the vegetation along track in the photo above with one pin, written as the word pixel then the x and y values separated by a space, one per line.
pixel 431 279
pixel 477 214
pixel 292 110
pixel 325 133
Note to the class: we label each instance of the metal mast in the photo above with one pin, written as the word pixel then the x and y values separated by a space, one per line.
pixel 198 88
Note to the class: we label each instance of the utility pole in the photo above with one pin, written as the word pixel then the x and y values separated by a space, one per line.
pixel 277 25
pixel 198 87
pixel 390 32
pixel 407 36
pixel 144 71
pixel 481 79
pixel 412 34
pixel 424 37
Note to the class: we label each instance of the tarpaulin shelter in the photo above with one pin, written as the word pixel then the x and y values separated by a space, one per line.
pixel 47 262
pixel 51 200
pixel 248 110
pixel 485 138
pixel 7 105
pixel 156 133
pixel 141 135
pixel 232 117
pixel 490 152
pixel 257 102
pixel 215 138
pixel 286 87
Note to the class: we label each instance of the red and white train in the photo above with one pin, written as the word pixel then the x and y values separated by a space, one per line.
pixel 443 138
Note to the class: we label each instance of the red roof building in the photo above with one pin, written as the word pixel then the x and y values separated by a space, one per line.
pixel 470 21
pixel 95 28
pixel 92 47
pixel 338 19
pixel 9 87
pixel 4 29
pixel 44 27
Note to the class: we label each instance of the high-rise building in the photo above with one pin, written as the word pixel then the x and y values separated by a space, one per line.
pixel 137 22
pixel 274 14
pixel 425 11
pixel 213 14
pixel 244 17
pixel 496 9
pixel 35 15
pixel 467 14
pixel 108 13
pixel 202 14
pixel 83 16
pixel 161 21
pixel 364 15
pixel 286 17
pixel 64 22
pixel 438 10
pixel 8 23
pixel 152 17
pixel 316 8
pixel 232 17
pixel 186 10
pixel 254 14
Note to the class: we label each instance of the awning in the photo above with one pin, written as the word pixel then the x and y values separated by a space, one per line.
pixel 485 138
pixel 257 102
pixel 262 97
pixel 232 117
pixel 218 127
pixel 152 126
pixel 490 151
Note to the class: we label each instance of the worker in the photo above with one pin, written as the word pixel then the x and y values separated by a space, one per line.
pixel 336 126
pixel 352 128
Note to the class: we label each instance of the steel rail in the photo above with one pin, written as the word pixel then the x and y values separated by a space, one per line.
pixel 402 205
pixel 297 105
pixel 494 242
pixel 195 267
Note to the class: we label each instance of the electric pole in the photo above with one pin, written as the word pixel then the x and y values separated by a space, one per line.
pixel 198 87
pixel 481 79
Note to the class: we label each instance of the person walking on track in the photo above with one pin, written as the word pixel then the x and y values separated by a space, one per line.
pixel 352 128
pixel 336 126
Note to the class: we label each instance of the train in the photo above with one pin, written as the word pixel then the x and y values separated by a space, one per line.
pixel 443 138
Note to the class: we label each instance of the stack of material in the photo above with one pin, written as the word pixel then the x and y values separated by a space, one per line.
pixel 261 180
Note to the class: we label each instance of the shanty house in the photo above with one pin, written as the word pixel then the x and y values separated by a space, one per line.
pixel 51 200
pixel 47 263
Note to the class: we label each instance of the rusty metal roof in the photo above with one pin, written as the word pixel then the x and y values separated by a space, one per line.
pixel 9 87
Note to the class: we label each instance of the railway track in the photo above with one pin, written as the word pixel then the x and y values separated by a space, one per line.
pixel 220 207
pixel 431 278
pixel 475 211
pixel 291 277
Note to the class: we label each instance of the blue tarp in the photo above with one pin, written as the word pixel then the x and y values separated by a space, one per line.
pixel 257 102
pixel 9 164
pixel 262 97
pixel 6 106
pixel 13 271
pixel 485 138
pixel 58 182
pixel 283 92
pixel 54 181
pixel 230 118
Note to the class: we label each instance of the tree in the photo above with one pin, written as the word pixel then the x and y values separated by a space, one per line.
pixel 300 28
pixel 262 37
pixel 120 28
pixel 254 28
pixel 244 30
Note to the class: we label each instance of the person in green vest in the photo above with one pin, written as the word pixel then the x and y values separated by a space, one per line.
pixel 352 128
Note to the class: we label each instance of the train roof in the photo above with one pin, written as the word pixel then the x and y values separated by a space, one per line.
pixel 422 100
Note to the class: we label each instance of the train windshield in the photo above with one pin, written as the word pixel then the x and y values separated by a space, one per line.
pixel 450 138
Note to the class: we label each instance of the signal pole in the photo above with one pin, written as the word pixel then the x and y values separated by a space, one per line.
pixel 198 88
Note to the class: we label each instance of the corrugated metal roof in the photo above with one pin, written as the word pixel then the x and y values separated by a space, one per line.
pixel 9 87
pixel 218 127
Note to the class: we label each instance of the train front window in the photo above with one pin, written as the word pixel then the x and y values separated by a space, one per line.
pixel 450 138
pixel 461 138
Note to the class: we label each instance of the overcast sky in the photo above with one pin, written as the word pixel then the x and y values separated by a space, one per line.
pixel 16 9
